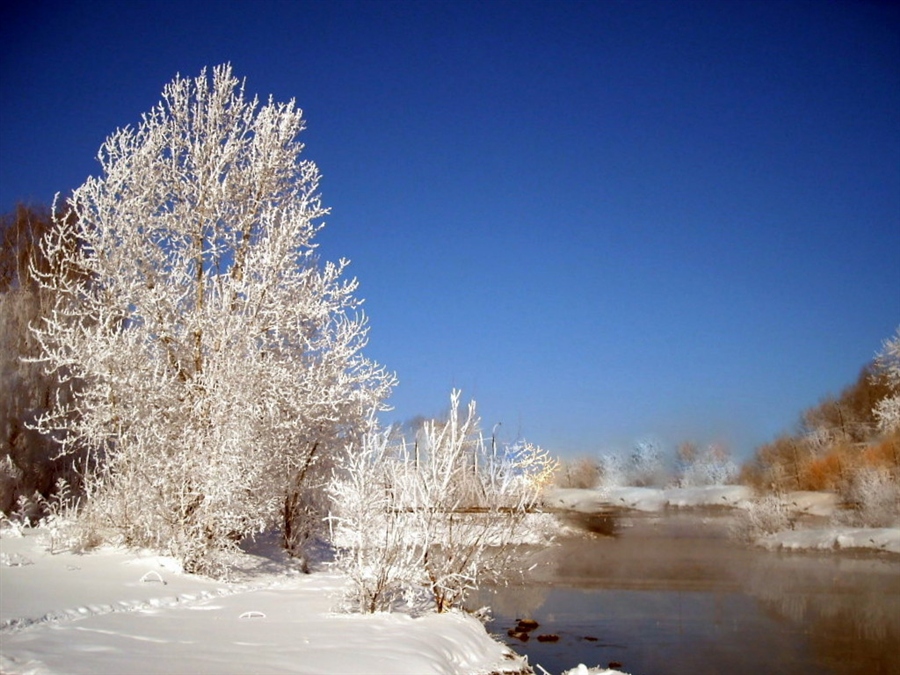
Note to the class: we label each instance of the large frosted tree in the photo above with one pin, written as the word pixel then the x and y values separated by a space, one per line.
pixel 218 359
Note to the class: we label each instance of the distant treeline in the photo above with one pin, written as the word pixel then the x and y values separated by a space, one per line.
pixel 849 444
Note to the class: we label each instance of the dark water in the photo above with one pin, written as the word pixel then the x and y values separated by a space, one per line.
pixel 673 595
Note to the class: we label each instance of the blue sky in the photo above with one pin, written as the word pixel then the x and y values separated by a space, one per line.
pixel 603 221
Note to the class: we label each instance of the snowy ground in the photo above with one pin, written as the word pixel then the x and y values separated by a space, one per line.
pixel 113 611
pixel 834 538
pixel 819 504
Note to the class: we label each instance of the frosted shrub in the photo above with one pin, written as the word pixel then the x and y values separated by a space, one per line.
pixel 612 470
pixel 435 519
pixel 646 466
pixel 471 503
pixel 372 524
pixel 709 466
pixel 874 495
pixel 59 521
pixel 766 515
pixel 887 412
pixel 55 518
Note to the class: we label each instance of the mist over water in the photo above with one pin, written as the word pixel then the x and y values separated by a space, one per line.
pixel 671 594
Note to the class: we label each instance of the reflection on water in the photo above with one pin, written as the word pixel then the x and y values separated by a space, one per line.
pixel 667 596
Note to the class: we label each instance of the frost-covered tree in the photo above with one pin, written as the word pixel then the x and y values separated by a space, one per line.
pixel 372 523
pixel 874 492
pixel 887 410
pixel 711 465
pixel 220 360
pixel 435 518
pixel 613 470
pixel 471 502
pixel 646 465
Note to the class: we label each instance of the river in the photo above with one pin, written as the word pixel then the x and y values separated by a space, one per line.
pixel 672 594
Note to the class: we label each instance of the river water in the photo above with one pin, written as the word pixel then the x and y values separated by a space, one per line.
pixel 672 594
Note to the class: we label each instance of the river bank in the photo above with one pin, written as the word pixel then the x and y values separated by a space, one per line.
pixel 809 526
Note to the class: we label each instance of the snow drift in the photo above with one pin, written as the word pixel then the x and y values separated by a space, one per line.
pixel 116 612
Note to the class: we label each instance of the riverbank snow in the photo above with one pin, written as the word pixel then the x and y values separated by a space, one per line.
pixel 801 503
pixel 834 538
pixel 118 612
pixel 645 498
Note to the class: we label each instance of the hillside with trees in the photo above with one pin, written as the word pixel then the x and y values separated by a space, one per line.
pixel 849 443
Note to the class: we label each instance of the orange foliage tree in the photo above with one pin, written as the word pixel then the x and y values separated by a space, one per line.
pixel 836 439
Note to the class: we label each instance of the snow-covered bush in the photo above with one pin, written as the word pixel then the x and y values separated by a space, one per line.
pixel 59 520
pixel 643 466
pixel 55 517
pixel 646 466
pixel 887 410
pixel 435 518
pixel 372 525
pixel 219 359
pixel 711 465
pixel 613 470
pixel 470 502
pixel 874 497
pixel 766 515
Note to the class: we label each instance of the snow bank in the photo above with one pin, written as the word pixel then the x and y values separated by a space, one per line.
pixel 576 499
pixel 711 495
pixel 637 498
pixel 646 499
pixel 821 504
pixel 117 612
pixel 879 539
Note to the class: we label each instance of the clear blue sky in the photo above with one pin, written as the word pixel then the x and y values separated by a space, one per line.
pixel 603 221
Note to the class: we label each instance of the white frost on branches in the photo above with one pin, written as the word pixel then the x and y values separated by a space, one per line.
pixel 218 359
pixel 372 528
pixel 887 410
pixel 711 465
pixel 436 518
